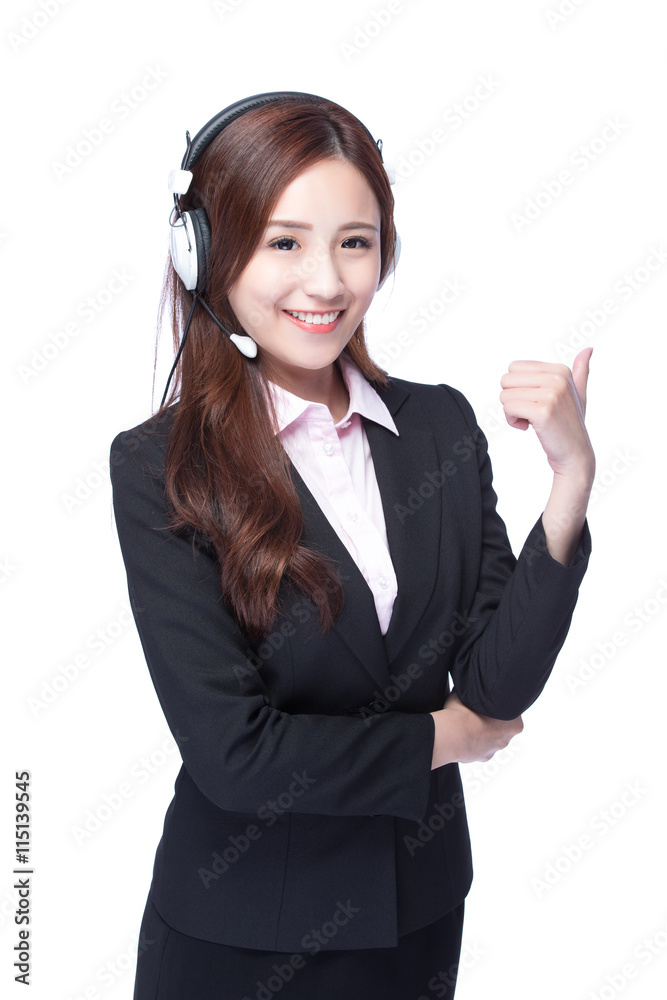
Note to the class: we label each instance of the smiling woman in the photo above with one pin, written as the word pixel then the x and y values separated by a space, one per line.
pixel 303 160
pixel 312 550
pixel 321 281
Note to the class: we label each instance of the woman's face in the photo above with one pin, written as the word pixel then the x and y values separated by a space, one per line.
pixel 319 257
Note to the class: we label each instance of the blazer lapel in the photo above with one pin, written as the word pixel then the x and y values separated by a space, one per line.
pixel 412 510
pixel 406 468
pixel 358 623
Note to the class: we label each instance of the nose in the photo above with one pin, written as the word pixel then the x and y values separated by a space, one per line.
pixel 322 278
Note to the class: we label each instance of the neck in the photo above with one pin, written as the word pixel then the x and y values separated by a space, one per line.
pixel 325 386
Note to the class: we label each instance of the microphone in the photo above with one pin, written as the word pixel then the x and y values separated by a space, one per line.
pixel 246 344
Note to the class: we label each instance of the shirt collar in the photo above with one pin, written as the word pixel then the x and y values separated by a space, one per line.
pixel 364 400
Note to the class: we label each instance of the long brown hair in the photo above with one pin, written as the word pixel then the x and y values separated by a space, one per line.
pixel 227 474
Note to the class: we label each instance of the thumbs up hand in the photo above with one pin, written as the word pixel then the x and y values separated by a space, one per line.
pixel 552 400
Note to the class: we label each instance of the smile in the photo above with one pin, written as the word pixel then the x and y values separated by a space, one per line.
pixel 316 318
pixel 315 322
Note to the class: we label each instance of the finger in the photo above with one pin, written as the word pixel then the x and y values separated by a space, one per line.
pixel 513 401
pixel 580 370
pixel 519 423
pixel 521 411
pixel 538 366
pixel 515 410
pixel 535 379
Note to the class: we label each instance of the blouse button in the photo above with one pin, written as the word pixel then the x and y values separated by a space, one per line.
pixel 328 449
pixel 383 581
pixel 352 516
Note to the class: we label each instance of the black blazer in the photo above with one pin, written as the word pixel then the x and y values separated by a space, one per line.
pixel 306 797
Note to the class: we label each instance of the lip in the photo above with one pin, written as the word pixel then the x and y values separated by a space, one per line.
pixel 316 327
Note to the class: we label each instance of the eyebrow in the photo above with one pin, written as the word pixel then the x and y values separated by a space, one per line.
pixel 291 224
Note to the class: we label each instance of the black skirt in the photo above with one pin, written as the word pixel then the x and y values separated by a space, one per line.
pixel 175 966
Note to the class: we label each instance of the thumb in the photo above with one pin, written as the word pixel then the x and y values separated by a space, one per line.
pixel 580 369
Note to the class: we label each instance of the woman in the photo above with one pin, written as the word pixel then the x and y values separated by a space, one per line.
pixel 311 549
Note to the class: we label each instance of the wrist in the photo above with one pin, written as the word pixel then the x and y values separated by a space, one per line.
pixel 444 743
pixel 578 477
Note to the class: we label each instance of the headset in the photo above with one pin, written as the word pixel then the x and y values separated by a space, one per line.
pixel 190 232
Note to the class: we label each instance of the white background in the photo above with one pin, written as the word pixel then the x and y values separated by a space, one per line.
pixel 528 285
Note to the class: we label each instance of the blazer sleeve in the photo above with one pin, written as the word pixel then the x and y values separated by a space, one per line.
pixel 240 750
pixel 522 608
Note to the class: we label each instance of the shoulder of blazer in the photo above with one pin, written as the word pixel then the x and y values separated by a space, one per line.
pixel 433 402
pixel 152 435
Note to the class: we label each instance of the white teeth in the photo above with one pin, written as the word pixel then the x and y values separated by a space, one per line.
pixel 315 318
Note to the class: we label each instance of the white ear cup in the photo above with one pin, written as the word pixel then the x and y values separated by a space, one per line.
pixel 183 246
pixel 184 251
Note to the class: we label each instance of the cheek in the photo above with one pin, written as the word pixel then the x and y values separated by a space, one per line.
pixel 365 285
pixel 249 305
pixel 262 292
pixel 364 277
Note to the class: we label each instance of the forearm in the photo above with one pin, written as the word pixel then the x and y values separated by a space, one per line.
pixel 565 513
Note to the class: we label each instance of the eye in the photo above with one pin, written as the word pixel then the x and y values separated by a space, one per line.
pixel 360 240
pixel 279 244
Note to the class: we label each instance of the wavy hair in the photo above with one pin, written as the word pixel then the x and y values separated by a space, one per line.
pixel 227 474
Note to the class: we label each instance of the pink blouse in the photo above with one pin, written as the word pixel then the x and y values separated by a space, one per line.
pixel 335 463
